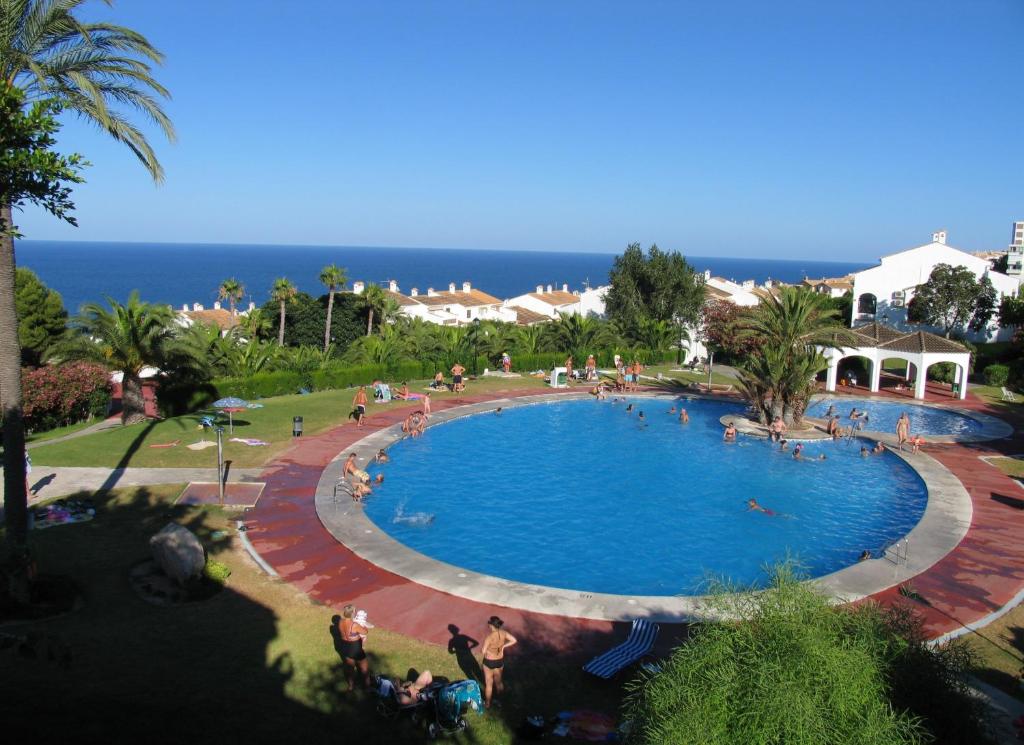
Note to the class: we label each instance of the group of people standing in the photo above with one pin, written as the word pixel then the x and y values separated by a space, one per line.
pixel 627 375
pixel 351 629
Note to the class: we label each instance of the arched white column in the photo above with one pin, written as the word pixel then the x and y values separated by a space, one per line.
pixel 832 372
pixel 876 372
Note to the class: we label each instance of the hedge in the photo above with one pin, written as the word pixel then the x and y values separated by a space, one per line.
pixel 58 395
pixel 996 375
pixel 334 377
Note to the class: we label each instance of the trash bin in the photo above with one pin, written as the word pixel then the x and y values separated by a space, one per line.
pixel 297 426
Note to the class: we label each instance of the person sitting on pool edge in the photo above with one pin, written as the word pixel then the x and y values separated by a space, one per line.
pixel 350 469
pixel 362 489
pixel 776 429
pixel 730 432
pixel 414 424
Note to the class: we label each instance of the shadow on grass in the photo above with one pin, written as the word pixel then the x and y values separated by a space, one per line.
pixel 200 672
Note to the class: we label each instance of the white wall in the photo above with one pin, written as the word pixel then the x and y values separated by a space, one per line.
pixel 905 270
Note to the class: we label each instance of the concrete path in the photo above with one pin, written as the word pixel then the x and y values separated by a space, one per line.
pixel 48 482
pixel 109 423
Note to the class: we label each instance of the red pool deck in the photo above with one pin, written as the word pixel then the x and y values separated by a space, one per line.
pixel 983 574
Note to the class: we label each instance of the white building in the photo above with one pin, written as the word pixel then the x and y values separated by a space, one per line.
pixel 881 293
pixel 456 307
pixel 831 286
pixel 740 293
pixel 550 301
pixel 1015 251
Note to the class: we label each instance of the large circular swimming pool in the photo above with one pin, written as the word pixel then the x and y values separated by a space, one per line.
pixel 882 416
pixel 583 495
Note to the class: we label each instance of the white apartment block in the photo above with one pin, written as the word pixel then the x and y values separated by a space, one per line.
pixel 881 293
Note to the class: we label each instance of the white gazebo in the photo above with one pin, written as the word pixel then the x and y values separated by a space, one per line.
pixel 877 342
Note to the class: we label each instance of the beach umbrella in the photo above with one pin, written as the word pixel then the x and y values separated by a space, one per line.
pixel 230 405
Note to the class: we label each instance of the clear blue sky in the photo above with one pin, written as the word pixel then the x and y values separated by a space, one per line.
pixel 791 129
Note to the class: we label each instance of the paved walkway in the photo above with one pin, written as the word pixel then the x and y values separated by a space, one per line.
pixel 48 482
pixel 981 576
pixel 109 423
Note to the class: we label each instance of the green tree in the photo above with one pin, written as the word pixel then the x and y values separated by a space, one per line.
pixel 232 291
pixel 953 299
pixel 332 277
pixel 1011 311
pixel 42 319
pixel 89 69
pixel 128 338
pixel 579 335
pixel 30 173
pixel 790 328
pixel 375 299
pixel 282 293
pixel 660 286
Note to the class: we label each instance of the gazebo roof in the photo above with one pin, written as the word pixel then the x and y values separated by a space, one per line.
pixel 920 342
pixel 879 333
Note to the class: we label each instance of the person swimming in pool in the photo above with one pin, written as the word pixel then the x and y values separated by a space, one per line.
pixel 730 433
pixel 784 445
pixel 641 416
pixel 629 409
pixel 864 452
pixel 382 456
pixel 831 410
pixel 798 451
pixel 684 418
pixel 753 506
pixel 671 411
pixel 878 448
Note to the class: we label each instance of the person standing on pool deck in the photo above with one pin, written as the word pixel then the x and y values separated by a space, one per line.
pixel 568 370
pixel 352 631
pixel 777 429
pixel 359 405
pixel 457 385
pixel 902 429
pixel 426 404
pixel 494 646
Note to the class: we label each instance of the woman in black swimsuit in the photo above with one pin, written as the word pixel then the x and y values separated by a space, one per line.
pixel 350 646
pixel 494 646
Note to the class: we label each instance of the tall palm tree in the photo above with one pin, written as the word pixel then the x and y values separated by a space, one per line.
pixel 102 73
pixel 375 298
pixel 128 338
pixel 282 293
pixel 332 276
pixel 232 291
pixel 791 329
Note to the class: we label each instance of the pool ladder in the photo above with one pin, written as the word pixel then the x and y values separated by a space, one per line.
pixel 898 552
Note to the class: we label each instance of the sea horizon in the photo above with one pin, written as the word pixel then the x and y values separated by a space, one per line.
pixel 185 273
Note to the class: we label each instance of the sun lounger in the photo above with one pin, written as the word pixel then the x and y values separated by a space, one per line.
pixel 638 643
pixel 1008 394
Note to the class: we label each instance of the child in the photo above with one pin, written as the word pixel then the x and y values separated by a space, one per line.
pixel 916 441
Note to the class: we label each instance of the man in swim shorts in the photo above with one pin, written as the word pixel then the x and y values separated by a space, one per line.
pixel 359 405
pixel 457 384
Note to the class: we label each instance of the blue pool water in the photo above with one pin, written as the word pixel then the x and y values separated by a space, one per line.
pixel 581 495
pixel 882 416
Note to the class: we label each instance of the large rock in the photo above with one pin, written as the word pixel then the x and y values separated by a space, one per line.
pixel 178 552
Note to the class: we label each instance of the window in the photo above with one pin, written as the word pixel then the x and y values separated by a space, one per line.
pixel 866 303
pixel 469 314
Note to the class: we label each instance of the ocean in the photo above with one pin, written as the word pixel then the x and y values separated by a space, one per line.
pixel 179 273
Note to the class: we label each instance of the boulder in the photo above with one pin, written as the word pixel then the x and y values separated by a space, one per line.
pixel 178 552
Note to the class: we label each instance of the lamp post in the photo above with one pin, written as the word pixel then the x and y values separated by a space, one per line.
pixel 711 363
pixel 220 465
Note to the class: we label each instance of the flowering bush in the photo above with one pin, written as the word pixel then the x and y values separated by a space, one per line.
pixel 56 395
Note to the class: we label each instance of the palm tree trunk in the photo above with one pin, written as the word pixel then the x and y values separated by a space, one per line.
pixel 369 323
pixel 133 403
pixel 280 328
pixel 15 491
pixel 327 328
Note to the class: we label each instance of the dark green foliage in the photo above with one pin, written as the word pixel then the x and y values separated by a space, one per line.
pixel 954 300
pixel 1011 311
pixel 791 669
pixel 29 170
pixel 657 287
pixel 307 316
pixel 996 375
pixel 41 316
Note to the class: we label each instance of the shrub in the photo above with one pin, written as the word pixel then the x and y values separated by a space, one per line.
pixel 216 571
pixel 56 395
pixel 790 668
pixel 996 375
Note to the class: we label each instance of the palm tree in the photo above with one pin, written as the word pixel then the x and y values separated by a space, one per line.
pixel 282 293
pixel 577 334
pixel 374 297
pixel 89 69
pixel 332 276
pixel 792 329
pixel 255 324
pixel 232 291
pixel 422 339
pixel 387 348
pixel 128 338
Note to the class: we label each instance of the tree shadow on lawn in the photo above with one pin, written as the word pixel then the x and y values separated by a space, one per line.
pixel 197 672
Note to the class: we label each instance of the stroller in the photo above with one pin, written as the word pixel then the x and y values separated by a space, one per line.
pixel 451 701
pixel 388 704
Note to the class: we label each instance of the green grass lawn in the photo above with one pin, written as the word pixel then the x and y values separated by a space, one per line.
pixel 52 434
pixel 255 663
pixel 131 445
